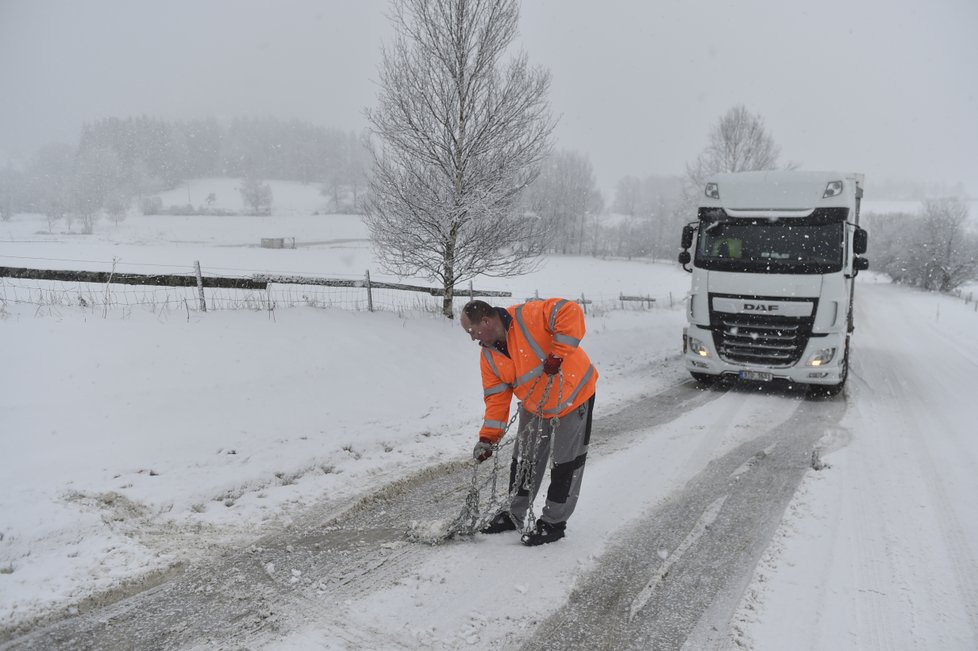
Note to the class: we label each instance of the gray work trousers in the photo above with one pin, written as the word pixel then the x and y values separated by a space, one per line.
pixel 568 449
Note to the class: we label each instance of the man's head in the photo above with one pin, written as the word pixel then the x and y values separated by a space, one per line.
pixel 483 324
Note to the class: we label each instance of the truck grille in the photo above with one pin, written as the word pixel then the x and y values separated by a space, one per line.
pixel 761 339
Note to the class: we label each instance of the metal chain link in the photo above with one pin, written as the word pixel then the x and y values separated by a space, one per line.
pixel 530 520
pixel 473 517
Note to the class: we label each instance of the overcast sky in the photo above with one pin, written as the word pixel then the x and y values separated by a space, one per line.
pixel 885 87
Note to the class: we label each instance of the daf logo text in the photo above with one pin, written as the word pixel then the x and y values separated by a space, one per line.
pixel 760 307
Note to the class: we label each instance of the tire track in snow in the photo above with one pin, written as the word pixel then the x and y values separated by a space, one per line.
pixel 639 602
pixel 717 527
pixel 246 597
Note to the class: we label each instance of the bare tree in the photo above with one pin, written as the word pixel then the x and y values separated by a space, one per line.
pixel 565 196
pixel 628 196
pixel 97 173
pixel 116 205
pixel 944 254
pixel 256 194
pixel 461 135
pixel 933 249
pixel 49 181
pixel 10 181
pixel 738 142
pixel 654 206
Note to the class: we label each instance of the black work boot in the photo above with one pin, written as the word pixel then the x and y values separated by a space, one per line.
pixel 543 533
pixel 502 521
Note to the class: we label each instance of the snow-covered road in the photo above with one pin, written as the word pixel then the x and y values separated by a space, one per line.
pixel 875 551
pixel 881 550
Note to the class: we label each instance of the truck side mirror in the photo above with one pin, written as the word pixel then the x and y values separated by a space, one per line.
pixel 859 241
pixel 684 258
pixel 687 240
pixel 860 264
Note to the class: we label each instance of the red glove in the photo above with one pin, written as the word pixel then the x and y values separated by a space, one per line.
pixel 482 450
pixel 551 365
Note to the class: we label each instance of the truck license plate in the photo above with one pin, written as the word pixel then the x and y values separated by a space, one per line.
pixel 756 376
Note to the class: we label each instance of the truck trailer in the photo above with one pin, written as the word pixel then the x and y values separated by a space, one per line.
pixel 774 260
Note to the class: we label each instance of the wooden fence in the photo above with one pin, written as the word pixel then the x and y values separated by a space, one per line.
pixel 254 291
pixel 254 282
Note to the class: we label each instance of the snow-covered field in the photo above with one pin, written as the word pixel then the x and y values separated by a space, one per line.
pixel 149 436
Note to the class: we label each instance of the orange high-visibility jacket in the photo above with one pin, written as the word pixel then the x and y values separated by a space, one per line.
pixel 538 329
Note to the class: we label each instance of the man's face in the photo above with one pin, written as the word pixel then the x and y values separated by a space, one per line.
pixel 483 330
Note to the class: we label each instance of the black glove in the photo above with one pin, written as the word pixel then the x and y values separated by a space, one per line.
pixel 551 365
pixel 482 450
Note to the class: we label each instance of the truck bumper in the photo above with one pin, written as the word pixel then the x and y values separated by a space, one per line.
pixel 701 358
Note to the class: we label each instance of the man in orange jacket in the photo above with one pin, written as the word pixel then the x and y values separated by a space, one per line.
pixel 533 351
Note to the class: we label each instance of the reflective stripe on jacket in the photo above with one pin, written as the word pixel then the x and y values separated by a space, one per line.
pixel 539 328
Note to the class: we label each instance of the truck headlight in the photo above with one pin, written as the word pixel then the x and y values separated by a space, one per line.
pixel 821 357
pixel 698 347
pixel 832 189
pixel 713 191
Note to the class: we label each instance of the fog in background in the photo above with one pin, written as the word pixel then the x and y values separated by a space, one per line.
pixel 885 87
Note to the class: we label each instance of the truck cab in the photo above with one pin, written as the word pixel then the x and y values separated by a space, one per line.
pixel 774 258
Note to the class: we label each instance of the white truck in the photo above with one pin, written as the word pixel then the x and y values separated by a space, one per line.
pixel 774 259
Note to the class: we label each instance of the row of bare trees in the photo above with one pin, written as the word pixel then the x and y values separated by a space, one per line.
pixel 119 160
pixel 933 249
pixel 65 185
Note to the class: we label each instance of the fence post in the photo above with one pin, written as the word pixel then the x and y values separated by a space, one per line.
pixel 200 280
pixel 621 297
pixel 370 297
pixel 471 291
pixel 584 303
pixel 108 284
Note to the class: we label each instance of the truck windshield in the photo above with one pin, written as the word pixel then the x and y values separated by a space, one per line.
pixel 785 246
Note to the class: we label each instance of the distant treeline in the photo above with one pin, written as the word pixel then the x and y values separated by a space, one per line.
pixel 163 153
pixel 265 148
pixel 120 160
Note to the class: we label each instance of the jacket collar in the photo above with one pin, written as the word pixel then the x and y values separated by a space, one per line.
pixel 507 320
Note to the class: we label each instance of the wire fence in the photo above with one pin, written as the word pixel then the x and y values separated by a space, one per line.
pixel 266 292
pixel 57 293
pixel 968 296
pixel 115 295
